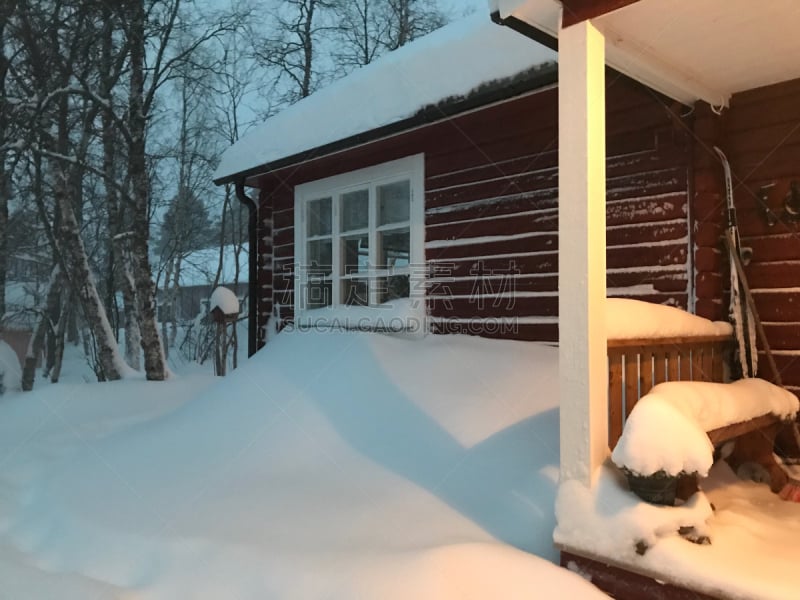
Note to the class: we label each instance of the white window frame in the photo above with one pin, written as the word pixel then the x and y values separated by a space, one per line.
pixel 384 316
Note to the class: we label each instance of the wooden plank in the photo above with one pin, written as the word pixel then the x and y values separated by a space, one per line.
pixel 780 246
pixel 673 358
pixel 642 209
pixel 708 362
pixel 528 332
pixel 524 162
pixel 781 307
pixel 783 336
pixel 631 381
pixel 500 186
pixel 670 341
pixel 685 364
pixel 645 370
pixel 464 287
pixel 647 232
pixel 644 255
pixel 788 366
pixel 493 307
pixel 615 397
pixel 728 432
pixel 665 181
pixel 718 363
pixel 540 222
pixel 576 11
pixel 516 245
pixel 659 367
pixel 536 263
pixel 509 205
pixel 695 358
pixel 624 583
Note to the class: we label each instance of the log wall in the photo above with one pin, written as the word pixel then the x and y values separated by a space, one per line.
pixel 760 133
pixel 491 209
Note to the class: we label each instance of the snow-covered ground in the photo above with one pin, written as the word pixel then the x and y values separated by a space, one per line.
pixel 344 465
pixel 329 466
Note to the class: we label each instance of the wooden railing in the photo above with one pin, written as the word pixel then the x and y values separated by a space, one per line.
pixel 635 366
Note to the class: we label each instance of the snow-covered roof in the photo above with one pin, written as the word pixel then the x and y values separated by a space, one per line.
pixel 447 64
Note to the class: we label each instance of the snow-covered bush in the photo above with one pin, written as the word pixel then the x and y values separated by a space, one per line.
pixel 10 369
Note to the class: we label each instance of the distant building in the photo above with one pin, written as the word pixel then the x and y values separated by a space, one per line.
pixel 197 273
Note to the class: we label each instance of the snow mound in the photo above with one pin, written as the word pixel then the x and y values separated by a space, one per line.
pixel 330 465
pixel 667 428
pixel 634 319
pixel 225 300
pixel 10 369
pixel 608 520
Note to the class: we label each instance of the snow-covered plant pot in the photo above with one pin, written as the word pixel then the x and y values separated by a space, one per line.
pixel 657 488
pixel 665 437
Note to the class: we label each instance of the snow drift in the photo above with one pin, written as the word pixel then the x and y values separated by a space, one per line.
pixel 329 466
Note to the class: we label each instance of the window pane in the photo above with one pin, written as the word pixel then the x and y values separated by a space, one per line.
pixel 394 249
pixel 319 217
pixel 393 202
pixel 355 210
pixel 391 288
pixel 318 293
pixel 355 292
pixel 355 254
pixel 319 258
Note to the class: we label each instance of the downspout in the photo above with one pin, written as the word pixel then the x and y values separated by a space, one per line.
pixel 526 29
pixel 252 263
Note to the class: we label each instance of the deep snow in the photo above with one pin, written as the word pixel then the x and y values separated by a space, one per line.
pixel 347 465
pixel 337 465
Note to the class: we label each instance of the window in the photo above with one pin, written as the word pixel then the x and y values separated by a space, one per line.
pixel 359 243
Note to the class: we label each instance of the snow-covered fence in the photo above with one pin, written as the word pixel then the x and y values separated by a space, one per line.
pixel 636 365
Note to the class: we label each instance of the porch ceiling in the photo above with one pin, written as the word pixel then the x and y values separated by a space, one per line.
pixel 686 49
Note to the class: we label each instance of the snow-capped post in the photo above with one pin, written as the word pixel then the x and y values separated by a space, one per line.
pixel 583 376
pixel 224 310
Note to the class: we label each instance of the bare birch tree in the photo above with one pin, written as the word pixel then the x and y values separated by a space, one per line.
pixel 5 136
pixel 291 48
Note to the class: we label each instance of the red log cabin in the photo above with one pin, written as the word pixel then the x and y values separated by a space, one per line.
pixel 489 165
pixel 422 191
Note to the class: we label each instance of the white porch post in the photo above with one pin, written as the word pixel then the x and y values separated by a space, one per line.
pixel 582 251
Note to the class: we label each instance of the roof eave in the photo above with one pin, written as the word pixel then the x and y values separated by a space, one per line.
pixel 541 77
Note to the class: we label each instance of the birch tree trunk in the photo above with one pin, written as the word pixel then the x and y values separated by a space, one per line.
pixel 174 299
pixel 122 275
pixel 5 180
pixel 154 361
pixel 37 340
pixel 60 335
pixel 83 284
pixel 133 335
pixel 166 302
